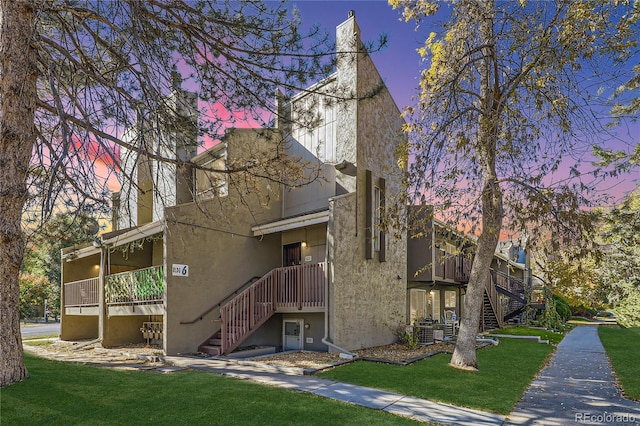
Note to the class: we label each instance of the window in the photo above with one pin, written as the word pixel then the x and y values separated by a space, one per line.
pixel 451 249
pixel 434 298
pixel 376 218
pixel 450 297
pixel 375 205
pixel 418 305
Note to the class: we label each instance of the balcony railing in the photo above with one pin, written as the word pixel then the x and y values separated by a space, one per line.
pixel 300 286
pixel 452 267
pixel 141 286
pixel 82 293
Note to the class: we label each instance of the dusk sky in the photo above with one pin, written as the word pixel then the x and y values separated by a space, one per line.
pixel 399 64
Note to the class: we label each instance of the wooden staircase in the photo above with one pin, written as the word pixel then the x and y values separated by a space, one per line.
pixel 300 287
pixel 213 345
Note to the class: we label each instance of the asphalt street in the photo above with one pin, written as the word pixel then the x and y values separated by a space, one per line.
pixel 40 329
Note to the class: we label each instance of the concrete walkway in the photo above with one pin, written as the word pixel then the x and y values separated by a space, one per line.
pixel 577 387
pixel 407 406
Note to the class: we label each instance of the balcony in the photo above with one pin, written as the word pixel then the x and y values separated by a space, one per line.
pixel 141 286
pixel 451 267
pixel 138 292
pixel 82 297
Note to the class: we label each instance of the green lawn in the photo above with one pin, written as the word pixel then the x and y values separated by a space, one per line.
pixel 623 346
pixel 505 372
pixel 44 336
pixel 59 393
pixel 551 336
pixel 38 342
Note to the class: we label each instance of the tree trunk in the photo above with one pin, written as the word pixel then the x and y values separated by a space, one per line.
pixel 17 136
pixel 464 354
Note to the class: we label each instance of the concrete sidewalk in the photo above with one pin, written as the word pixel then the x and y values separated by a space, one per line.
pixel 577 387
pixel 401 405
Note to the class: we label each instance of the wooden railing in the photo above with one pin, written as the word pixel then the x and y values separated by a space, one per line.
pixel 82 293
pixel 222 301
pixel 299 286
pixel 453 267
pixel 142 286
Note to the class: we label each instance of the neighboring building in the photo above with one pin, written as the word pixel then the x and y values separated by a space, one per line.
pixel 205 261
pixel 438 267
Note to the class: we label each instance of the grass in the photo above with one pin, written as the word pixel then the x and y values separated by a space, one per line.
pixel 622 346
pixel 39 342
pixel 551 336
pixel 505 372
pixel 59 393
pixel 43 336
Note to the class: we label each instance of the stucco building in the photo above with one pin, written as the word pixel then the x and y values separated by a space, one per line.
pixel 203 261
pixel 213 261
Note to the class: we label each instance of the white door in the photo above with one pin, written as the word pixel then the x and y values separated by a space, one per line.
pixel 292 335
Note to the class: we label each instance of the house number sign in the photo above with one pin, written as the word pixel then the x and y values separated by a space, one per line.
pixel 178 270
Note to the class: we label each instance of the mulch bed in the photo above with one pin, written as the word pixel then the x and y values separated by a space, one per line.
pixel 392 354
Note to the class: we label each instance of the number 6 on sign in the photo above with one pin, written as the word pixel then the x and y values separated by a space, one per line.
pixel 178 270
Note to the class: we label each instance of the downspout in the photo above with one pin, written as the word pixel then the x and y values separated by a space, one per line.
pixel 325 339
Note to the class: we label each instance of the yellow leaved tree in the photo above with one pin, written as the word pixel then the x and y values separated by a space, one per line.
pixel 509 104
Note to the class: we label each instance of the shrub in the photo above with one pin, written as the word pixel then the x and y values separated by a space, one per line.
pixel 406 334
pixel 34 290
pixel 628 311
pixel 562 307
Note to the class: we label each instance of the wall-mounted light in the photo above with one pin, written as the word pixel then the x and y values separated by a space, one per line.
pixel 307 326
pixel 71 256
pixel 304 244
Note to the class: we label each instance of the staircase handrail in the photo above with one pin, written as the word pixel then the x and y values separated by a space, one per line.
pixel 223 300
pixel 513 296
pixel 265 289
pixel 230 342
pixel 493 296
pixel 510 279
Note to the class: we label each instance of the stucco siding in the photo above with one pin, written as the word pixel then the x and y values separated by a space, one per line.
pixel 365 296
pixel 215 240
pixel 121 330
pixel 314 239
pixel 270 334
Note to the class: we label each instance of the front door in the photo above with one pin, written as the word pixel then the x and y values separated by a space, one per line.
pixel 292 254
pixel 292 335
